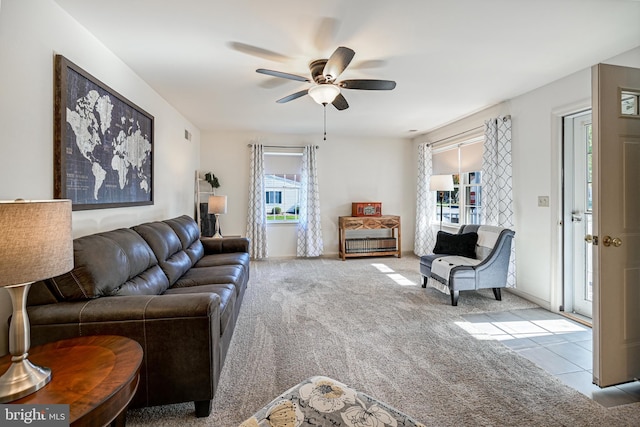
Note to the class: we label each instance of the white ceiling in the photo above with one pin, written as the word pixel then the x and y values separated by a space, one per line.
pixel 449 58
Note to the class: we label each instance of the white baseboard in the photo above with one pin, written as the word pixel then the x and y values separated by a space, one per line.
pixel 544 304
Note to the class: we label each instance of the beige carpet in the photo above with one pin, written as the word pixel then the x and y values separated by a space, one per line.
pixel 367 322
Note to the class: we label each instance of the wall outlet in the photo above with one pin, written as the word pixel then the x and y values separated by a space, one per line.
pixel 543 201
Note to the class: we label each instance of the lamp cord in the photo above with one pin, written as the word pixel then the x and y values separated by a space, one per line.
pixel 441 194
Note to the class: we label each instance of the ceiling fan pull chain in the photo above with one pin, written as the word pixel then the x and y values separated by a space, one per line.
pixel 325 120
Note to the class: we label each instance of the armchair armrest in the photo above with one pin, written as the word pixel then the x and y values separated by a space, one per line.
pixel 226 245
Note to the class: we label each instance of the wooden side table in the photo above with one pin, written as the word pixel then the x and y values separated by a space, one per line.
pixel 376 246
pixel 96 376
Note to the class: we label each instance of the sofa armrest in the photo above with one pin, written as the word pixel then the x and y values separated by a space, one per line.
pixel 225 245
pixel 179 334
pixel 125 309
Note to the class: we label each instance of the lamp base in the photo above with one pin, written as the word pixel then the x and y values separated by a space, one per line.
pixel 21 379
pixel 217 234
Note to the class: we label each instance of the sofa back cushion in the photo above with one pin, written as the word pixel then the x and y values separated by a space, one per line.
pixel 167 247
pixel 117 262
pixel 189 234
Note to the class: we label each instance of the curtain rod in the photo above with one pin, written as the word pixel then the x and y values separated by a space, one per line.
pixel 507 117
pixel 284 146
pixel 453 136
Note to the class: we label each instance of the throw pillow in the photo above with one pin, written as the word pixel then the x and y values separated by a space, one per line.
pixel 456 244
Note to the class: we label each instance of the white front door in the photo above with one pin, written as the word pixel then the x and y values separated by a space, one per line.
pixel 616 224
pixel 578 218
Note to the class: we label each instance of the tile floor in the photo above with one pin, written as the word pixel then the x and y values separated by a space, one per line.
pixel 561 346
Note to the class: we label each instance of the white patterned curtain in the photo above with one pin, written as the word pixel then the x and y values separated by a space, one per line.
pixel 497 189
pixel 257 216
pixel 309 228
pixel 425 238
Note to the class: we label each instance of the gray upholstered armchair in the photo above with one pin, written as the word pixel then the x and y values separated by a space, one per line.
pixel 455 266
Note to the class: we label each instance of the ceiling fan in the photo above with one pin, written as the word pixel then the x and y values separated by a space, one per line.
pixel 324 73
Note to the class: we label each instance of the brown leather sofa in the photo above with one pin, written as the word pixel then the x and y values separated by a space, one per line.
pixel 159 283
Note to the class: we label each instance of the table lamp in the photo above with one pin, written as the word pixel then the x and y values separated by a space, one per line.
pixel 35 244
pixel 441 183
pixel 217 206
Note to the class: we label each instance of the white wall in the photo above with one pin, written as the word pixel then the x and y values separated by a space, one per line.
pixel 536 132
pixel 31 33
pixel 351 169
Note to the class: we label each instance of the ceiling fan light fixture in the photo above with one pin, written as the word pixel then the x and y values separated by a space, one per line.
pixel 324 93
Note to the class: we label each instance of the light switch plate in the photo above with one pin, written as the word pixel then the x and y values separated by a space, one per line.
pixel 543 201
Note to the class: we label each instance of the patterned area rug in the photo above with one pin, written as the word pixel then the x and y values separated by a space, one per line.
pixel 368 323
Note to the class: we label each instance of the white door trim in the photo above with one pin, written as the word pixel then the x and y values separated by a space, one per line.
pixel 556 199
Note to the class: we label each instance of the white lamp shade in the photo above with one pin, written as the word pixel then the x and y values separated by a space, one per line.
pixel 217 204
pixel 324 93
pixel 441 183
pixel 36 242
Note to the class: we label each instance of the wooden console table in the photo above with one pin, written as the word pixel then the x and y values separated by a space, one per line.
pixel 351 246
pixel 96 376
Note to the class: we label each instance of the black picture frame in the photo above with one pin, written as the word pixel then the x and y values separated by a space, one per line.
pixel 103 143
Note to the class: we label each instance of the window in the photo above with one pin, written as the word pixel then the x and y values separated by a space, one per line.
pixel 273 197
pixel 629 103
pixel 282 197
pixel 463 161
pixel 465 210
pixel 282 185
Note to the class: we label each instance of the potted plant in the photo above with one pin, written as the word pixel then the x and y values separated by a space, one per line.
pixel 208 221
pixel 212 180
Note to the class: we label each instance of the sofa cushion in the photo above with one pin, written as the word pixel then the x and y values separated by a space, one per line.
pixel 232 258
pixel 233 274
pixel 117 262
pixel 427 260
pixel 456 244
pixel 187 231
pixel 41 293
pixel 167 247
pixel 441 267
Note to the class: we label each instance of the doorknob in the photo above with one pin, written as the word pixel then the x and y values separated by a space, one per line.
pixel 615 241
pixel 576 217
pixel 591 239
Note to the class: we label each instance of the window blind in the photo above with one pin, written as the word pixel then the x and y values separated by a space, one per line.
pixel 460 158
pixel 283 163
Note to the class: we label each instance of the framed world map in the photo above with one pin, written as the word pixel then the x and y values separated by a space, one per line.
pixel 103 143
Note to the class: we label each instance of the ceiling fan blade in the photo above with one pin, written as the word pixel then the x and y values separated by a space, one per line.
pixel 365 84
pixel 272 82
pixel 258 51
pixel 337 63
pixel 282 75
pixel 292 96
pixel 325 33
pixel 340 102
pixel 369 64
